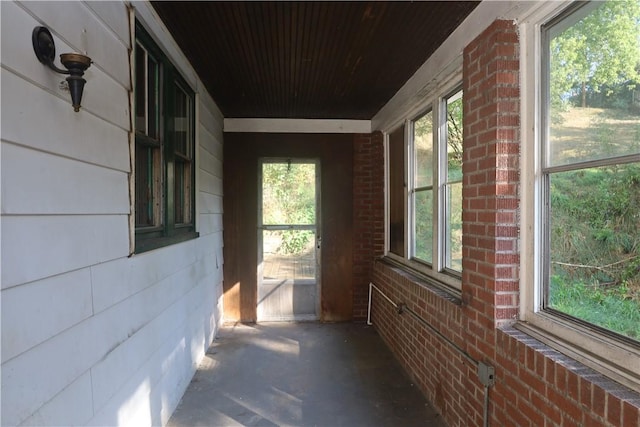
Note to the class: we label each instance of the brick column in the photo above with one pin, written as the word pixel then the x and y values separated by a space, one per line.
pixel 368 214
pixel 491 182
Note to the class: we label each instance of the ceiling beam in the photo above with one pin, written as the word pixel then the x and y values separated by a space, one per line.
pixel 297 125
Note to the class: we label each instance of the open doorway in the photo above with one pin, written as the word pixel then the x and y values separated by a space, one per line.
pixel 289 240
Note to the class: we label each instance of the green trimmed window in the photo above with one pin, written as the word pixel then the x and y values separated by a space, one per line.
pixel 164 149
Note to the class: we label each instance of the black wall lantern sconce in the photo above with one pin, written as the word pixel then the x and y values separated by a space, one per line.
pixel 75 63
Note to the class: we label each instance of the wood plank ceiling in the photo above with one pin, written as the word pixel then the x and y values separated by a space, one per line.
pixel 329 60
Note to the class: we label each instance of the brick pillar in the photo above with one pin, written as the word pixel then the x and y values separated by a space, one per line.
pixel 491 183
pixel 368 214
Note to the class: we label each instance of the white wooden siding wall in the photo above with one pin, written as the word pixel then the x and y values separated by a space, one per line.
pixel 91 336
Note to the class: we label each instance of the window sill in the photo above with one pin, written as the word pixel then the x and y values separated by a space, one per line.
pixel 440 288
pixel 620 363
pixel 151 243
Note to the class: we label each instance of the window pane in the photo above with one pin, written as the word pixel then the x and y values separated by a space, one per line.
pixel 396 192
pixel 288 193
pixel 453 186
pixel 141 93
pixel 453 227
pixel 594 107
pixel 179 193
pixel 423 233
pixel 153 93
pixel 423 150
pixel 454 137
pixel 182 122
pixel 182 192
pixel 147 93
pixel 146 191
pixel 595 246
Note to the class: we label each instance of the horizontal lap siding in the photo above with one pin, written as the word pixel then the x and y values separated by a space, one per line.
pixel 89 334
pixel 41 120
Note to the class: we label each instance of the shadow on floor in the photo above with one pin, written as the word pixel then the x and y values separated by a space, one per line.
pixel 301 374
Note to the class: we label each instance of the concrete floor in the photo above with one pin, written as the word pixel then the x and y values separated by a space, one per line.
pixel 302 374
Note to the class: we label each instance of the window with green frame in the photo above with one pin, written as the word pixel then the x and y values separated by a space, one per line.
pixel 164 149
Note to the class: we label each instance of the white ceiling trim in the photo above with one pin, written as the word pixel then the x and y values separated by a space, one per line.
pixel 297 125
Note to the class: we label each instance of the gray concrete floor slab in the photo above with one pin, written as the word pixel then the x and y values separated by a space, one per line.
pixel 302 374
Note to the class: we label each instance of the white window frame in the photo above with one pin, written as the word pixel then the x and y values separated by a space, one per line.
pixel 615 358
pixel 443 179
pixel 434 102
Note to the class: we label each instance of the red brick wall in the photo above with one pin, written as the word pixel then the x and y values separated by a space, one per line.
pixel 490 256
pixel 440 372
pixel 368 214
pixel 535 385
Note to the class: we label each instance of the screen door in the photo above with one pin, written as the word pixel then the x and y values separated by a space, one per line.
pixel 288 240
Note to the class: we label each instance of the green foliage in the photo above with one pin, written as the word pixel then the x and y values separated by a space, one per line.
pixel 289 197
pixel 601 51
pixel 602 205
pixel 423 146
pixel 595 246
pixel 612 308
pixel 424 225
pixel 295 242
pixel 454 136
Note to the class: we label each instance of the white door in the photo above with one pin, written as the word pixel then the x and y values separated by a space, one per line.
pixel 288 240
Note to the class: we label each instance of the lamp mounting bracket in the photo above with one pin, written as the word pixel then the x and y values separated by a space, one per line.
pixel 45 48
